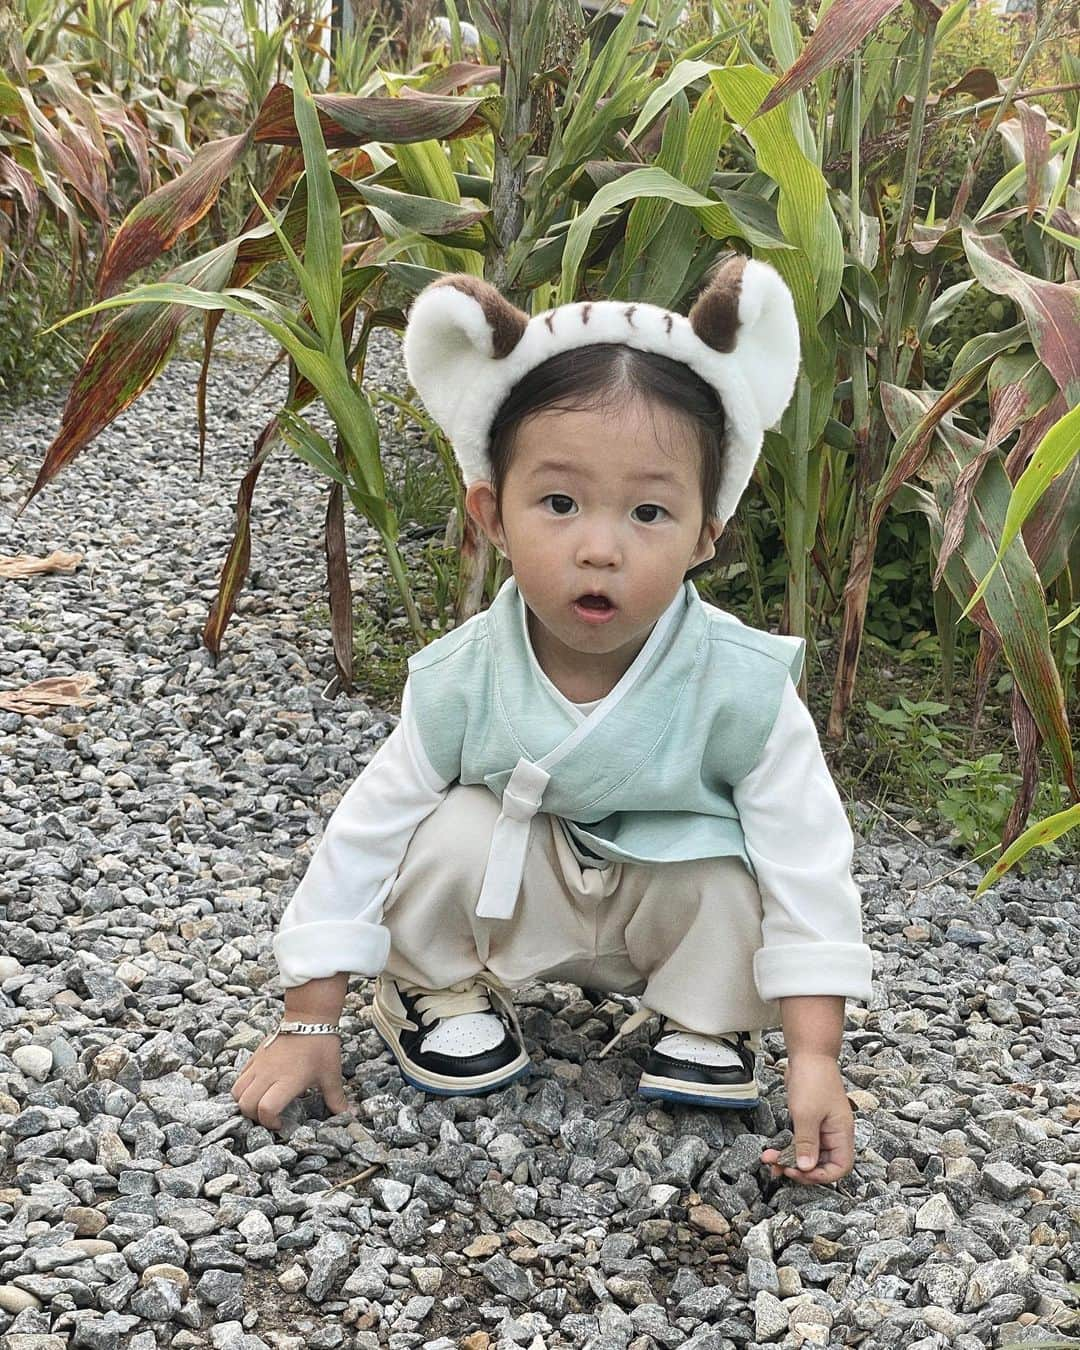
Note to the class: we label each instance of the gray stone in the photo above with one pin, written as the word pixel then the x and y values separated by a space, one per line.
pixel 223 1290
pixel 945 1283
pixel 366 1280
pixel 993 1278
pixel 936 1215
pixel 159 1246
pixel 104 1333
pixel 629 1290
pixel 33 1060
pixel 770 1316
pixel 158 1301
pixel 329 1262
pixel 506 1278
pixel 392 1195
pixel 1004 1180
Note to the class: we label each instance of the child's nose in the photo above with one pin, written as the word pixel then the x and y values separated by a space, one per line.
pixel 599 546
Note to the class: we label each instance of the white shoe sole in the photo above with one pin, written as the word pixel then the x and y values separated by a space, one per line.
pixel 445 1085
pixel 679 1090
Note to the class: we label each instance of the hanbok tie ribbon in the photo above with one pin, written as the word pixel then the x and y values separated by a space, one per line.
pixel 506 861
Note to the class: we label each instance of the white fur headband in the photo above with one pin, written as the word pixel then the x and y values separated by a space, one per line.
pixel 466 346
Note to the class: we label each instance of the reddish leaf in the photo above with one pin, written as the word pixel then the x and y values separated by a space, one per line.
pixel 1016 604
pixel 1028 740
pixel 1052 309
pixel 839 32
pixel 113 114
pixel 462 75
pixel 358 165
pixel 338 581
pixel 980 81
pixel 985 660
pixel 352 119
pixel 236 564
pixel 157 221
pixel 337 556
pixel 1036 151
pixel 129 354
pixel 71 168
pixel 1031 434
pixel 1019 385
pixel 22 185
pixel 914 442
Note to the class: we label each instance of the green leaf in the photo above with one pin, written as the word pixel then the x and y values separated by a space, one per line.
pixel 805 216
pixel 169 292
pixel 1038 835
pixel 1055 452
pixel 647 213
pixel 312 447
pixel 322 247
pixel 652 182
pixel 680 75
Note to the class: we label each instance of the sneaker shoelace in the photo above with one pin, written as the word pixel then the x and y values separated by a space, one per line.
pixel 457 1000
pixel 637 1019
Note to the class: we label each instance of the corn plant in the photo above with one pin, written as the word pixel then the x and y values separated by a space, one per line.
pixel 317 348
pixel 623 170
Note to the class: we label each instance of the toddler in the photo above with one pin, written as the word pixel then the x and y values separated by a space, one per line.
pixel 601 778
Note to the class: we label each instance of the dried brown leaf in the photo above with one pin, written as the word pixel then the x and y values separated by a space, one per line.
pixel 25 564
pixel 39 698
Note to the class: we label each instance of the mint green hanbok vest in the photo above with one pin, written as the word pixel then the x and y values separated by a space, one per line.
pixel 646 776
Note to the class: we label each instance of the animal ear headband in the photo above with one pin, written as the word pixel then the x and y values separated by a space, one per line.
pixel 466 346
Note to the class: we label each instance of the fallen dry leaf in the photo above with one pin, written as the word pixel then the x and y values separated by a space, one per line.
pixel 33 700
pixel 24 564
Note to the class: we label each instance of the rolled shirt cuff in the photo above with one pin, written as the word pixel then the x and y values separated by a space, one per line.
pixel 787 970
pixel 312 951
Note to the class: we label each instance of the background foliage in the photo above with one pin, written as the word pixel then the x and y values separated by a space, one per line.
pixel 132 135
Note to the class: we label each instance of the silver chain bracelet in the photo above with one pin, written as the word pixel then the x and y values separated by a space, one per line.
pixel 304 1029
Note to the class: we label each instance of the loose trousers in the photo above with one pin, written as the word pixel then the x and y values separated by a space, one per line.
pixel 682 935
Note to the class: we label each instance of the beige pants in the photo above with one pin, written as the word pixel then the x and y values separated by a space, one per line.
pixel 682 935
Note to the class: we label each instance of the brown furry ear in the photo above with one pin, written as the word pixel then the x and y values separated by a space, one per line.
pixel 506 321
pixel 715 313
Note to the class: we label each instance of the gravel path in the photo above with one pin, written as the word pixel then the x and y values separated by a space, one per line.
pixel 148 844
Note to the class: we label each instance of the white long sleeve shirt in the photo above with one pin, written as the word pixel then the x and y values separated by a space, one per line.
pixel 796 834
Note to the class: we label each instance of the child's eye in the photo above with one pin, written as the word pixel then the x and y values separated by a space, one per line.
pixel 554 497
pixel 650 506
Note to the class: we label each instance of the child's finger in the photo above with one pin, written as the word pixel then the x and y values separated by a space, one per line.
pixel 334 1095
pixel 816 1176
pixel 243 1079
pixel 274 1101
pixel 249 1096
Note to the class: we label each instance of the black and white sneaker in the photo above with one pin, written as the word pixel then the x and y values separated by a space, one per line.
pixel 685 1066
pixel 453 1042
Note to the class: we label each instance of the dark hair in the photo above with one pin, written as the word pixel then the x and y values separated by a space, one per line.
pixel 601 375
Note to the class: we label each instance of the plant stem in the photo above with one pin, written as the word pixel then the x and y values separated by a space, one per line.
pixel 401 577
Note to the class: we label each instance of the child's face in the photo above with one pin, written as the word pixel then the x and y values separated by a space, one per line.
pixel 598 503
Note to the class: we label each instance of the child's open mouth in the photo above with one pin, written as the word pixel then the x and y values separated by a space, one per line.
pixel 594 608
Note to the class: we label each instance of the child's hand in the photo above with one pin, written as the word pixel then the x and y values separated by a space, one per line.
pixel 822 1119
pixel 279 1071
